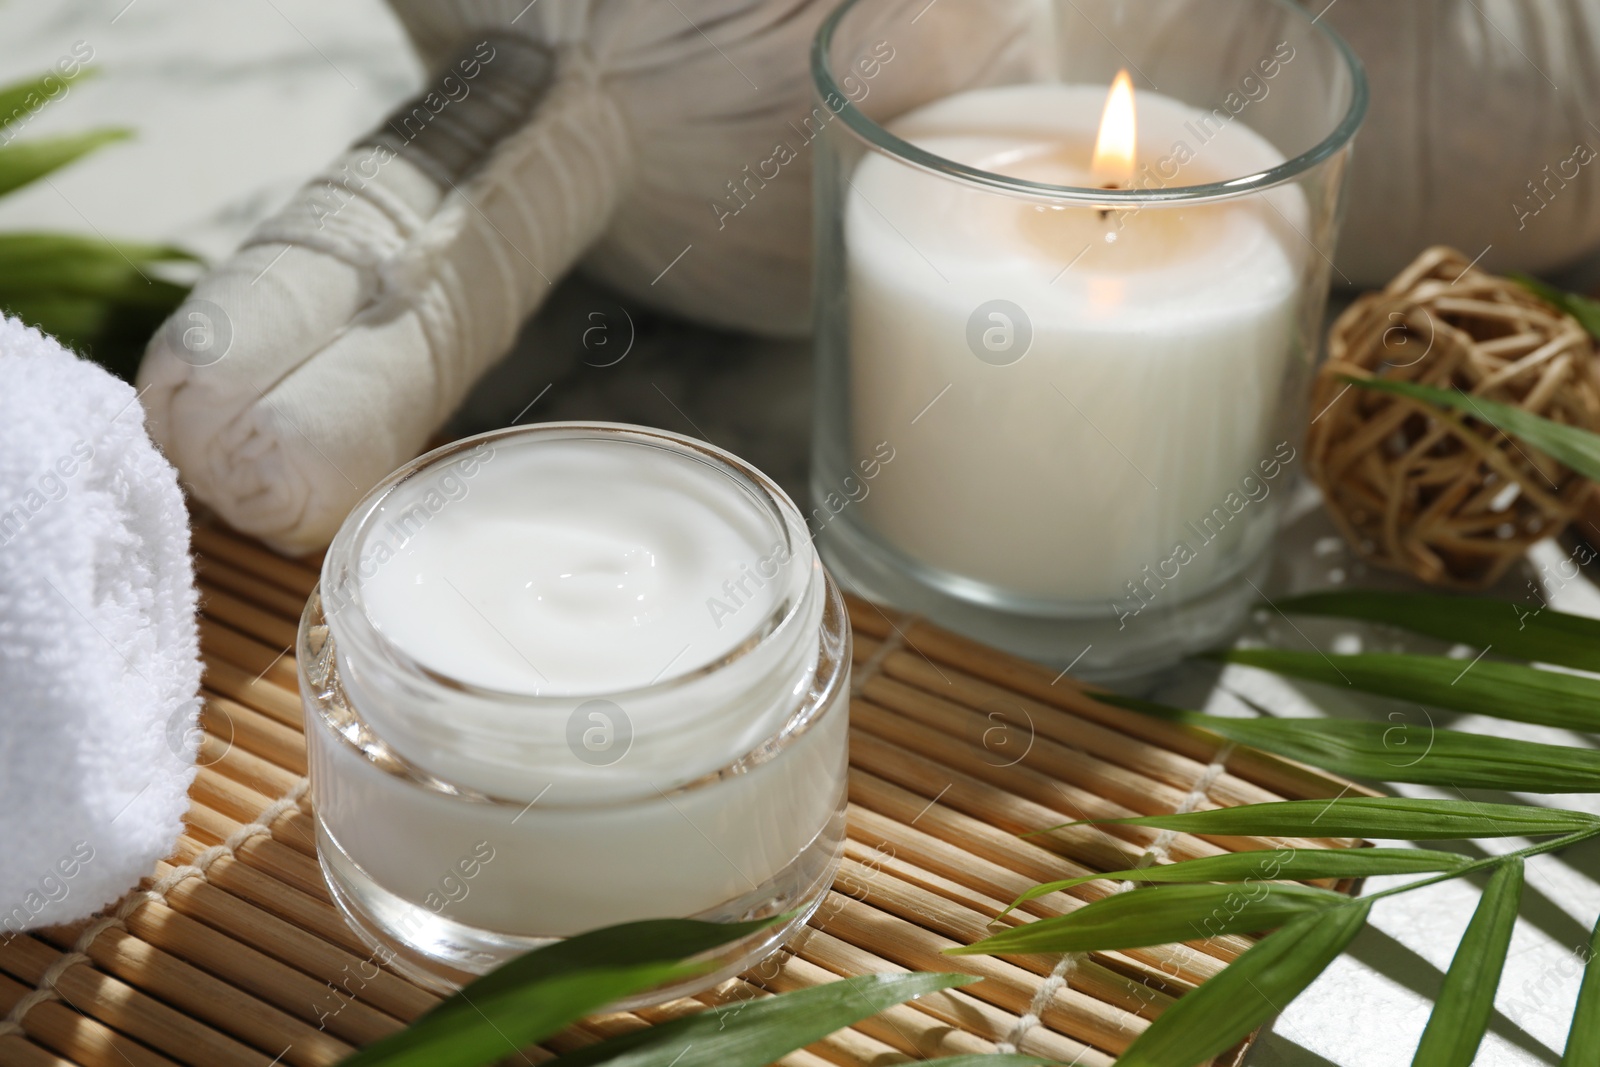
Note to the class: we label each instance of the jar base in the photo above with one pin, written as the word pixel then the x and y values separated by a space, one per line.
pixel 442 954
pixel 1094 641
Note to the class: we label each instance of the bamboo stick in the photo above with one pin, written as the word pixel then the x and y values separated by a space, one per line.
pixel 943 786
pixel 611 1025
pixel 1158 964
pixel 297 828
pixel 952 1007
pixel 260 929
pixel 222 759
pixel 20 1052
pixel 902 1027
pixel 802 1058
pixel 849 1047
pixel 1065 803
pixel 223 794
pixel 986 843
pixel 315 914
pixel 210 998
pixel 277 665
pixel 867 619
pixel 254 731
pixel 732 990
pixel 1022 855
pixel 940 648
pixel 1111 733
pixel 127 1008
pixel 676 1008
pixel 247 618
pixel 1052 762
pixel 862 648
pixel 593 1029
pixel 1007 985
pixel 215 574
pixel 1059 744
pixel 271 699
pixel 85 1040
pixel 257 974
pixel 222 544
pixel 880 887
pixel 217 802
pixel 1281 777
pixel 263 853
pixel 895 886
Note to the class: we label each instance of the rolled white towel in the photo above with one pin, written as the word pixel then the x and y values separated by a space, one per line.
pixel 99 653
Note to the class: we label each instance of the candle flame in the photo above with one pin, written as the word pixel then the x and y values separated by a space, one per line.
pixel 1114 148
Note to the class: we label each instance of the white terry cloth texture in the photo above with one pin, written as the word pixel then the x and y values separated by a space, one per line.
pixel 350 325
pixel 99 650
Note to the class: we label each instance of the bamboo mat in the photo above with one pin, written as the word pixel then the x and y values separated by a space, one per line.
pixel 231 954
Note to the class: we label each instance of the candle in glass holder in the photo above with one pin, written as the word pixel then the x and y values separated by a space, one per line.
pixel 1073 390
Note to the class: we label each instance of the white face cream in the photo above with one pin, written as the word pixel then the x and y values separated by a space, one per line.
pixel 559 677
pixel 576 567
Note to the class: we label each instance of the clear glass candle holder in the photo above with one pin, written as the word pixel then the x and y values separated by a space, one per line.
pixel 459 824
pixel 1061 360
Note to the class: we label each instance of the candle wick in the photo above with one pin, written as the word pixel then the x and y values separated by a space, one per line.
pixel 1105 212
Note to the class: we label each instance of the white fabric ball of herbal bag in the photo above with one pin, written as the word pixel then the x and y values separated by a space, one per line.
pixel 665 147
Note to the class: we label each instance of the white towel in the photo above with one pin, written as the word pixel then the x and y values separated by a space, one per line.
pixel 99 654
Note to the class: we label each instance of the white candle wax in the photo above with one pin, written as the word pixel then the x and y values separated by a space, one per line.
pixel 569 579
pixel 1159 341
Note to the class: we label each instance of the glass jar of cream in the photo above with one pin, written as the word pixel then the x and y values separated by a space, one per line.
pixel 563 676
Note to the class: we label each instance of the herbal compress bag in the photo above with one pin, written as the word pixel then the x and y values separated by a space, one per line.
pixel 665 147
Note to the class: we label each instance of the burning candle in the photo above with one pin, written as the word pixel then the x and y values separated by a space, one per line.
pixel 1071 389
pixel 1081 320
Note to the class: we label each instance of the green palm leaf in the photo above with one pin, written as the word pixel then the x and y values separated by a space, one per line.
pixel 1585 310
pixel 1407 818
pixel 1523 630
pixel 988 1059
pixel 755 1032
pixel 30 160
pixel 1401 752
pixel 65 265
pixel 542 991
pixel 1299 864
pixel 98 297
pixel 1461 1014
pixel 1499 690
pixel 1251 990
pixel 31 94
pixel 1583 1040
pixel 1160 915
pixel 1577 448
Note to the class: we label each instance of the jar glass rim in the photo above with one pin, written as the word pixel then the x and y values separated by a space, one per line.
pixel 828 685
pixel 765 493
pixel 879 138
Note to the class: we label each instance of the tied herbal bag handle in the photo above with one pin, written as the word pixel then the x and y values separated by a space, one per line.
pixel 350 324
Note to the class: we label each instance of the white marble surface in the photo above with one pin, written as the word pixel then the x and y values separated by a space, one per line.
pixel 235 103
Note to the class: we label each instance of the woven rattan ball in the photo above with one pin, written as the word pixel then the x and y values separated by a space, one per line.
pixel 1442 496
